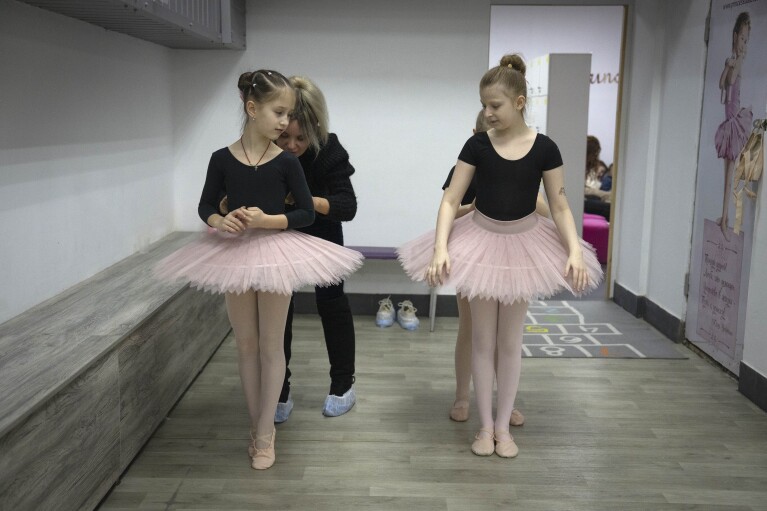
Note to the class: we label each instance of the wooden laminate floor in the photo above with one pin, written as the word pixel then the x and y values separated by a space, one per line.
pixel 601 434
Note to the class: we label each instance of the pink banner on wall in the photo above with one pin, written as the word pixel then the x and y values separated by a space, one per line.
pixel 719 288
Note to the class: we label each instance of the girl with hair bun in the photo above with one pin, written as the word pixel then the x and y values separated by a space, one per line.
pixel 252 255
pixel 326 166
pixel 459 412
pixel 507 254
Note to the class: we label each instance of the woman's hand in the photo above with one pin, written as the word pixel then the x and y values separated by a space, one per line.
pixel 439 268
pixel 253 218
pixel 230 223
pixel 580 276
pixel 223 206
pixel 289 199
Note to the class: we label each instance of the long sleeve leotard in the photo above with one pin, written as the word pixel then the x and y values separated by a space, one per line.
pixel 264 187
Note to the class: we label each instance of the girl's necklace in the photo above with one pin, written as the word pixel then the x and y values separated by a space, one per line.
pixel 255 167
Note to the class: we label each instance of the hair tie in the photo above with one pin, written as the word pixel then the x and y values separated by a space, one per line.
pixel 509 65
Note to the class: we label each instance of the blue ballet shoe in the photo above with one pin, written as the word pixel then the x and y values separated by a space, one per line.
pixel 339 405
pixel 283 410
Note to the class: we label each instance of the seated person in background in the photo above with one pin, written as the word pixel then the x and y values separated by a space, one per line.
pixel 607 180
pixel 596 199
pixel 595 169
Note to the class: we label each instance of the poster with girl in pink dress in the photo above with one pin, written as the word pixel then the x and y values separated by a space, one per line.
pixel 735 94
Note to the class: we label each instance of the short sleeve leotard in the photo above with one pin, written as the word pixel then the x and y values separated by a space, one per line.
pixel 508 189
pixel 265 187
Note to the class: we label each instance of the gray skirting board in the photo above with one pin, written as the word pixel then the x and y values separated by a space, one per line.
pixel 641 307
pixel 753 385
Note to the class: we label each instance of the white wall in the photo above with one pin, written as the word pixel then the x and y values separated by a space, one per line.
pixel 755 340
pixel 639 119
pixel 661 118
pixel 85 151
pixel 677 153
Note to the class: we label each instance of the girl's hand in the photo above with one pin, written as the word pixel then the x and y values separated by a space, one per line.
pixel 223 206
pixel 439 268
pixel 252 217
pixel 580 276
pixel 289 199
pixel 231 223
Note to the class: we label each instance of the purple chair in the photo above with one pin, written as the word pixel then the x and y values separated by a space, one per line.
pixel 596 230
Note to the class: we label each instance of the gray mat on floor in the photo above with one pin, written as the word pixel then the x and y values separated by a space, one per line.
pixel 591 329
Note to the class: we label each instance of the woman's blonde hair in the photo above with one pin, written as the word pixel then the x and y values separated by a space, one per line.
pixel 311 111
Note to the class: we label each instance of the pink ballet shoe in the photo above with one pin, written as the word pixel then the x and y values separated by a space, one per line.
pixel 261 459
pixel 483 445
pixel 517 419
pixel 460 411
pixel 505 448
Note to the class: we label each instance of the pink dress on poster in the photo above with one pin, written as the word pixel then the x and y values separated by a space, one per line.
pixel 732 134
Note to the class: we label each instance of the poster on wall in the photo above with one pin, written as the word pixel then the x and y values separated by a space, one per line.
pixel 734 96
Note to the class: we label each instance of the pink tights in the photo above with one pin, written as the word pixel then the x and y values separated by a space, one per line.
pixel 496 326
pixel 258 321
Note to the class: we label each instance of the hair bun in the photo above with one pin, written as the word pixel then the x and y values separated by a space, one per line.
pixel 245 81
pixel 514 61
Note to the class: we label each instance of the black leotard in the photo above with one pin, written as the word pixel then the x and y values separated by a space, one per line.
pixel 266 187
pixel 507 189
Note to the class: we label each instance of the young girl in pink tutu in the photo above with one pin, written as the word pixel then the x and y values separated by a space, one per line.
pixel 253 256
pixel 732 134
pixel 505 255
pixel 459 412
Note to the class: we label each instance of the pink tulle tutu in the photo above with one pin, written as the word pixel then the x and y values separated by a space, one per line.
pixel 269 260
pixel 506 261
pixel 732 134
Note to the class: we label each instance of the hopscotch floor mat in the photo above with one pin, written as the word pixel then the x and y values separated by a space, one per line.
pixel 591 329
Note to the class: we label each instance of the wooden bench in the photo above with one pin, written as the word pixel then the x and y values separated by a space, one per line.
pixel 390 253
pixel 87 376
